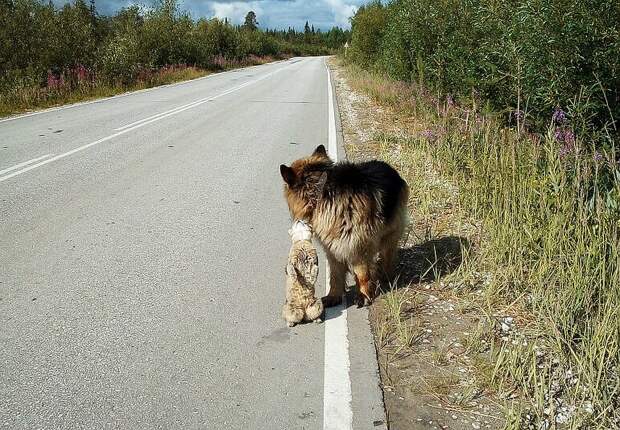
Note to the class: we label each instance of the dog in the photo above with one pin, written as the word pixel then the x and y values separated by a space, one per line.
pixel 356 210
pixel 302 271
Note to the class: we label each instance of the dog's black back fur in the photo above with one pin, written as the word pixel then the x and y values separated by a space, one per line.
pixel 370 178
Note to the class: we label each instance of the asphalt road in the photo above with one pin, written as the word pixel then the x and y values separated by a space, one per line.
pixel 142 261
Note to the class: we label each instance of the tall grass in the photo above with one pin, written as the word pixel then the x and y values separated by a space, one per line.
pixel 79 84
pixel 549 207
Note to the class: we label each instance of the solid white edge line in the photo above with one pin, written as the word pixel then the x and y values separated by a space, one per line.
pixel 142 123
pixel 25 163
pixel 100 100
pixel 337 410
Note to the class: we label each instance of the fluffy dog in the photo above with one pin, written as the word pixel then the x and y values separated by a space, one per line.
pixel 356 210
pixel 302 271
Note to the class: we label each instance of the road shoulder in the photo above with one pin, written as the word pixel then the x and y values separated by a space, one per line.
pixel 367 396
pixel 422 332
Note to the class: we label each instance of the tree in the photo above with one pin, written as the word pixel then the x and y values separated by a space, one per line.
pixel 367 27
pixel 250 21
pixel 307 28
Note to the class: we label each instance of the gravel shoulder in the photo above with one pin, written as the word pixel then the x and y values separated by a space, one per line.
pixel 429 340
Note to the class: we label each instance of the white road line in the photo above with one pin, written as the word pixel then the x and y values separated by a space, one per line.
pixel 337 412
pixel 151 117
pixel 129 93
pixel 90 102
pixel 189 105
pixel 139 124
pixel 25 163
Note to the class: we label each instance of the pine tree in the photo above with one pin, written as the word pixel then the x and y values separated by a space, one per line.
pixel 250 21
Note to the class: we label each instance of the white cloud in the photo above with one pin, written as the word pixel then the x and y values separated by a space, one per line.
pixel 342 11
pixel 270 13
pixel 235 11
pixel 280 14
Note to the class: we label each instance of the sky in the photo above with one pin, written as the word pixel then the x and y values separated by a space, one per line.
pixel 323 14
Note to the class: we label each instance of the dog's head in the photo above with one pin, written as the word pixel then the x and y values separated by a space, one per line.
pixel 301 182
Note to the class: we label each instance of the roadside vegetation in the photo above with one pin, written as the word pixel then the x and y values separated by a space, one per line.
pixel 51 55
pixel 506 129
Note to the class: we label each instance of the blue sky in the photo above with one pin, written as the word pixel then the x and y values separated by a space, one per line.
pixel 270 13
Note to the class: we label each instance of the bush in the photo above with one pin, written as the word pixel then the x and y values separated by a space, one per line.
pixel 119 59
pixel 522 55
pixel 546 194
pixel 367 27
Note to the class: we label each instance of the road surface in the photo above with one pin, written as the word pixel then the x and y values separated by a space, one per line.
pixel 143 240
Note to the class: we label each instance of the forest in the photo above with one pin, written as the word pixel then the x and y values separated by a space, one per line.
pixel 50 55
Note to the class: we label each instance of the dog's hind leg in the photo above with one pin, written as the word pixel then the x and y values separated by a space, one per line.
pixel 337 277
pixel 390 241
pixel 365 284
pixel 389 253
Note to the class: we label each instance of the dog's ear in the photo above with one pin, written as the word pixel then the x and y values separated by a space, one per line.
pixel 320 151
pixel 288 174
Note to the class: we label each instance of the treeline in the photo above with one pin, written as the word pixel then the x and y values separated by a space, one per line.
pixel 41 45
pixel 528 57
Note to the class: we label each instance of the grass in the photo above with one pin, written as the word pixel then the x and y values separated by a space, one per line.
pixel 400 328
pixel 71 89
pixel 541 213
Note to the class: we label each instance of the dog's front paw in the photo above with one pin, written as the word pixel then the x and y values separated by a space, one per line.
pixel 290 323
pixel 362 300
pixel 330 301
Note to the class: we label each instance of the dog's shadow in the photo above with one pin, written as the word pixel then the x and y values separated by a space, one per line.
pixel 425 262
pixel 428 261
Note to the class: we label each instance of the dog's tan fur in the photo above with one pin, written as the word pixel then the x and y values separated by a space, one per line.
pixel 349 220
pixel 302 271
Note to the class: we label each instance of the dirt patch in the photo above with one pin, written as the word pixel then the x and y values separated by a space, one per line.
pixel 430 343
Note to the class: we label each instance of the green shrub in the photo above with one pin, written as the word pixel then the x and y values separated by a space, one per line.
pixel 526 55
pixel 119 59
pixel 367 27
